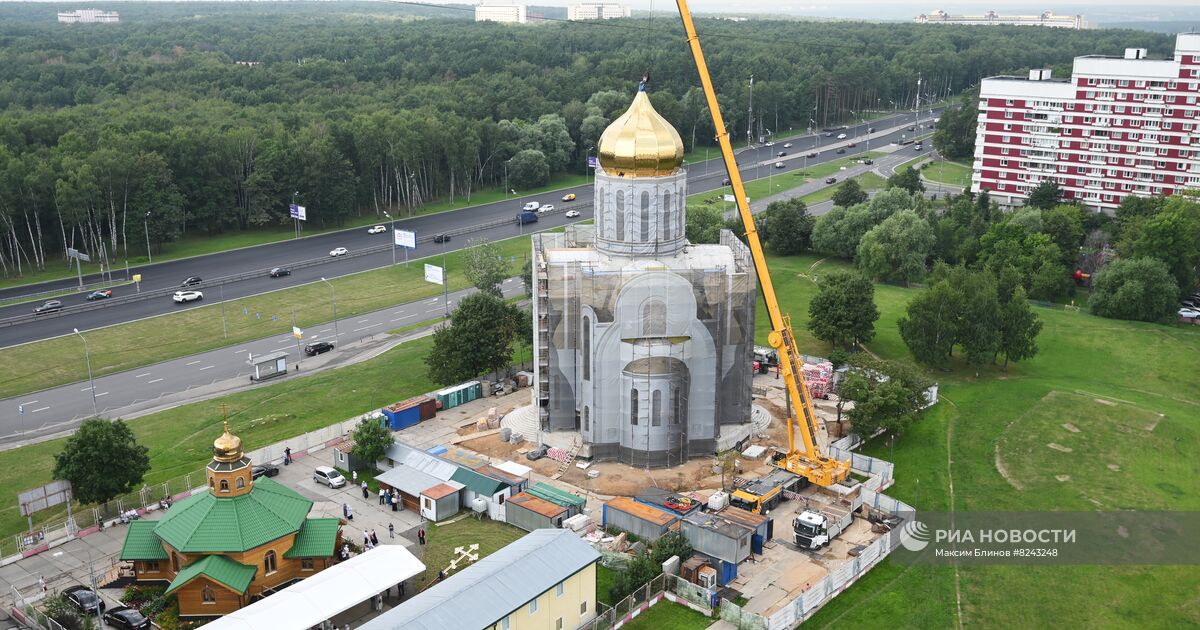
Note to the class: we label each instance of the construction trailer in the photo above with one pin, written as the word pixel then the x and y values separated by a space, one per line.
pixel 529 512
pixel 491 492
pixel 409 482
pixel 546 492
pixel 763 526
pixel 441 501
pixel 724 540
pixel 518 484
pixel 669 501
pixel 646 522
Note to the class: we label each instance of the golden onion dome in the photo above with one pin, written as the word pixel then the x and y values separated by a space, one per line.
pixel 640 143
pixel 228 447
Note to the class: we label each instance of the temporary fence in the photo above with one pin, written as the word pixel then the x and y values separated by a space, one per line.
pixel 24 612
pixel 667 587
pixel 865 464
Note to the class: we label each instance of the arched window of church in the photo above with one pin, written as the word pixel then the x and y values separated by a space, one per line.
pixel 587 420
pixel 676 406
pixel 620 215
pixel 241 483
pixel 633 406
pixel 224 485
pixel 212 483
pixel 587 348
pixel 654 319
pixel 656 408
pixel 667 215
pixel 270 563
pixel 209 596
pixel 645 231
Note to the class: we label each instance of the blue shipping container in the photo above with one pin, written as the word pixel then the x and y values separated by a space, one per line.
pixel 726 572
pixel 402 419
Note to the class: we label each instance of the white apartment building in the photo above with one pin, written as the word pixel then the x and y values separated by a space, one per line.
pixel 597 11
pixel 89 16
pixel 502 12
pixel 991 18
pixel 1121 125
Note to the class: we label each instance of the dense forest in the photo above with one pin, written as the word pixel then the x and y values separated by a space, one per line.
pixel 197 117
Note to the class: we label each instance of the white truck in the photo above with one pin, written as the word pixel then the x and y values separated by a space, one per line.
pixel 531 206
pixel 814 529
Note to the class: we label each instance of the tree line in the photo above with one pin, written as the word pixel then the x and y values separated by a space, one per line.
pixel 216 118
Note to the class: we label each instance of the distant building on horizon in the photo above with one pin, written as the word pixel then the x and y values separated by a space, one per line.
pixel 1120 125
pixel 597 11
pixel 502 12
pixel 991 18
pixel 89 16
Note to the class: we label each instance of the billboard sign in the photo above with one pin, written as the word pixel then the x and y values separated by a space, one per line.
pixel 434 274
pixel 297 212
pixel 54 493
pixel 404 238
pixel 593 161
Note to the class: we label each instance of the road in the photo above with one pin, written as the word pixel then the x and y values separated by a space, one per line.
pixel 703 176
pixel 55 410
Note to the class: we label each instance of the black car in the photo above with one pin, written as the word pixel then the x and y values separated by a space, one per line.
pixel 725 182
pixel 782 153
pixel 280 272
pixel 127 618
pixel 870 130
pixel 84 599
pixel 264 470
pixel 441 238
pixel 830 180
pixel 840 151
pixel 191 281
pixel 313 349
pixel 868 161
pixel 102 294
pixel 912 128
pixel 49 307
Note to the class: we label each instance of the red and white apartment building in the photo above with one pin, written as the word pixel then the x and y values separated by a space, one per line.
pixel 1120 126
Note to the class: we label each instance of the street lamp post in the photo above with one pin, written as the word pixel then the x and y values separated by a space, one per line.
pixel 91 382
pixel 146 224
pixel 393 234
pixel 333 299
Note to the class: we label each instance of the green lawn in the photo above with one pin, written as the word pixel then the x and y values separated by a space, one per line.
pixel 200 244
pixel 773 184
pixel 442 539
pixel 868 181
pixel 948 172
pixel 666 615
pixel 53 362
pixel 604 582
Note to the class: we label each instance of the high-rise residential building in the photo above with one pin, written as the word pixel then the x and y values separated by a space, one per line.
pixel 991 18
pixel 1120 126
pixel 502 12
pixel 597 11
pixel 89 16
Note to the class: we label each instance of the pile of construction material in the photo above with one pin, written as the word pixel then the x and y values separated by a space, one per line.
pixel 818 377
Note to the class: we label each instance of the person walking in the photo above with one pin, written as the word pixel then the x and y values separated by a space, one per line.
pixel 395 501
pixel 287 455
pixel 42 583
pixel 421 535
pixel 391 530
pixel 366 493
pixel 366 540
pixel 382 496
pixel 354 477
pixel 348 511
pixel 374 539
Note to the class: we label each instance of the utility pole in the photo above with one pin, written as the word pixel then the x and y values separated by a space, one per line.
pixel 91 382
pixel 333 298
pixel 750 117
pixel 296 220
pixel 393 234
pixel 146 224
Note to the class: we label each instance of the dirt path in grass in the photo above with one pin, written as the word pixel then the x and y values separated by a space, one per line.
pixel 950 484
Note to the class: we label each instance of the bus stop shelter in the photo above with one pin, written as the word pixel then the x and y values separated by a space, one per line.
pixel 269 365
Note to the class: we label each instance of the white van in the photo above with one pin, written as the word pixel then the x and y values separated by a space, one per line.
pixel 531 206
pixel 329 476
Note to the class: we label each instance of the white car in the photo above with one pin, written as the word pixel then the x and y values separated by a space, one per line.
pixel 187 296
pixel 770 143
pixel 787 145
pixel 340 251
pixel 1189 313
pixel 779 165
pixel 571 214
pixel 841 136
pixel 532 205
pixel 378 229
pixel 545 208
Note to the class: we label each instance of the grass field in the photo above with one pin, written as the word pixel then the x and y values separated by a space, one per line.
pixel 666 615
pixel 868 181
pixel 948 172
pixel 199 245
pixel 774 184
pixel 53 362
pixel 442 539
pixel 604 582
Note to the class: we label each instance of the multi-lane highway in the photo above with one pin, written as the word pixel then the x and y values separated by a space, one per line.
pixel 703 176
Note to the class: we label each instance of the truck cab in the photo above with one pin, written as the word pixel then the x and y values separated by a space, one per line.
pixel 810 530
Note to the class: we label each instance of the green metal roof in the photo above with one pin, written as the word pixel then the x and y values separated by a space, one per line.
pixel 316 539
pixel 207 523
pixel 547 492
pixel 141 543
pixel 219 569
pixel 478 483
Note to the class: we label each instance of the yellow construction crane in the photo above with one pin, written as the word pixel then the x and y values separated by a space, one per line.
pixel 806 461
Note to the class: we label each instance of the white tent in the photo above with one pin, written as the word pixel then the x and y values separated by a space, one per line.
pixel 337 589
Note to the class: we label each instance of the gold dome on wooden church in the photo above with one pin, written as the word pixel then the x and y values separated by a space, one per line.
pixel 228 447
pixel 640 143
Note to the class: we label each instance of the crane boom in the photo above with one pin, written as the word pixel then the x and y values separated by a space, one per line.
pixel 806 461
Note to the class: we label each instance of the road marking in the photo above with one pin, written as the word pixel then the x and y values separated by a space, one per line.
pixel 433 301
pixel 86 389
pixel 324 330
pixel 193 362
pixel 39 409
pixel 154 381
pixel 29 402
pixel 207 367
pixel 142 374
pixel 433 310
pixel 103 394
pixel 242 351
pixel 364 327
pixel 363 321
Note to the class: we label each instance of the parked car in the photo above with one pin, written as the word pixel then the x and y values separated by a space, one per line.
pixel 279 272
pixel 787 145
pixel 338 251
pixel 781 154
pixel 830 180
pixel 546 208
pixel 571 214
pixel 376 229
pixel 49 306
pixel 1189 313
pixel 779 165
pixel 102 294
pixel 568 197
pixel 841 151
pixel 126 618
pixel 313 349
pixel 329 476
pixel 441 238
pixel 812 154
pixel 264 470
pixel 841 136
pixel 192 281
pixel 531 206
pixel 187 296
pixel 84 599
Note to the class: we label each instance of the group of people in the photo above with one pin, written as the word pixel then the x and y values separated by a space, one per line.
pixel 370 540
